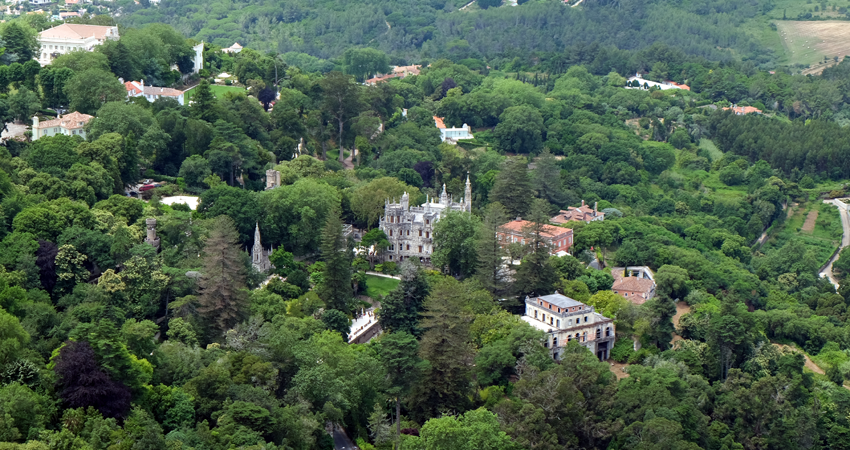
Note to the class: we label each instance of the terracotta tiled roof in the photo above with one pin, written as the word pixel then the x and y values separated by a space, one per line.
pixel 439 122
pixel 549 231
pixel 633 284
pixel 135 87
pixel 76 31
pixel 73 120
pixel 743 110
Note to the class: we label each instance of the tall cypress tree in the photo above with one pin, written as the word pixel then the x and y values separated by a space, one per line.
pixel 536 274
pixel 512 187
pixel 490 251
pixel 222 285
pixel 335 288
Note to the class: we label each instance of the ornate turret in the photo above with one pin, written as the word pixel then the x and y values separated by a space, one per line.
pixel 151 233
pixel 259 257
pixel 405 201
pixel 467 195
pixel 444 198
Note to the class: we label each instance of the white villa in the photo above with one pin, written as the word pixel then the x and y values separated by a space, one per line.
pixel 235 48
pixel 69 37
pixel 151 93
pixel 646 84
pixel 72 124
pixel 451 135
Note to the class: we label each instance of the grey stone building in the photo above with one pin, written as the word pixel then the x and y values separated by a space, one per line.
pixel 410 228
pixel 259 255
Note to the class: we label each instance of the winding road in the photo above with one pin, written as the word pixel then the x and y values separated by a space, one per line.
pixel 845 239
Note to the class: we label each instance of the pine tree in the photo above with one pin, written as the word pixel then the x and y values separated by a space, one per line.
pixel 446 383
pixel 203 102
pixel 222 286
pixel 490 251
pixel 400 309
pixel 335 288
pixel 547 179
pixel 536 275
pixel 512 187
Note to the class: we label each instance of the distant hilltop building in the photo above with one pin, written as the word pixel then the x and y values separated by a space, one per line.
pixel 583 213
pixel 410 229
pixel 452 135
pixel 634 283
pixel 743 110
pixel 260 256
pixel 272 179
pixel 233 49
pixel 70 37
pixel 72 124
pixel 564 319
pixel 638 82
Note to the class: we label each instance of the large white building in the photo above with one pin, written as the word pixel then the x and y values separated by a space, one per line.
pixel 410 229
pixel 564 319
pixel 70 37
pixel 72 124
pixel 451 134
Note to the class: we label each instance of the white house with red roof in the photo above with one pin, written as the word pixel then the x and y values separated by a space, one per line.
pixel 72 124
pixel 151 93
pixel 70 37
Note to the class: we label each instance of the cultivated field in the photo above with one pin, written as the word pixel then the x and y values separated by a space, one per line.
pixel 808 42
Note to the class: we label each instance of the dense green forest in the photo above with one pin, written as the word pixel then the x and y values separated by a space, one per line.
pixel 413 31
pixel 108 342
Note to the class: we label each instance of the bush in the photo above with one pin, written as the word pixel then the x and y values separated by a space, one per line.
pixel 623 350
pixel 643 353
pixel 390 268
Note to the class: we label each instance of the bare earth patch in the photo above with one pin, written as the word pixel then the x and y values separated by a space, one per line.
pixel 617 369
pixel 809 224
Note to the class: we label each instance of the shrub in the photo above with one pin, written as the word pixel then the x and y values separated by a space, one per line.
pixel 623 350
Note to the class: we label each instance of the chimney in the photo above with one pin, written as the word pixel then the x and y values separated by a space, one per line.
pixel 582 203
pixel 595 204
pixel 518 219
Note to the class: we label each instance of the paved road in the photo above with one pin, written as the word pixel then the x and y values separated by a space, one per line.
pixel 341 440
pixel 845 239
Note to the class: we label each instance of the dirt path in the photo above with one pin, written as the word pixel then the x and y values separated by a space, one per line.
pixel 682 308
pixel 811 219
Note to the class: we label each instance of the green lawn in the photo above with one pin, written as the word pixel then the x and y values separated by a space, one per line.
pixel 708 145
pixel 377 287
pixel 217 90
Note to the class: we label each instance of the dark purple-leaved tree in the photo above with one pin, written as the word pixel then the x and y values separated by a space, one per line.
pixel 82 383
pixel 45 259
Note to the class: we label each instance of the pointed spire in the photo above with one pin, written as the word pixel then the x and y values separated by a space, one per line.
pixel 443 196
pixel 467 195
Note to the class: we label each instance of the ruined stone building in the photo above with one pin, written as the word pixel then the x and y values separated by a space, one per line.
pixel 410 228
pixel 564 319
pixel 151 237
pixel 259 255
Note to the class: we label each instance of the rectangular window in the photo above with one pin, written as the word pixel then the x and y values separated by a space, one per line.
pixel 420 249
pixel 391 232
pixel 408 232
pixel 427 234
pixel 420 233
pixel 408 248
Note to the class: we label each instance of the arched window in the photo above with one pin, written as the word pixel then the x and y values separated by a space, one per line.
pixel 584 337
pixel 569 337
pixel 607 331
pixel 598 333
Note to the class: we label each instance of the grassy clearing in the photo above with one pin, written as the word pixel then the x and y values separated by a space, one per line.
pixel 708 145
pixel 217 90
pixel 823 240
pixel 808 42
pixel 377 287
